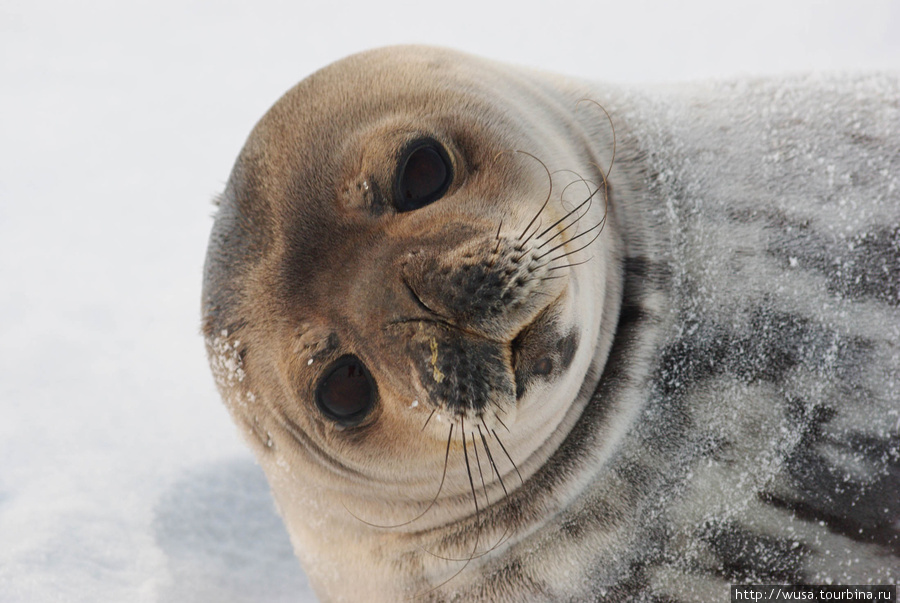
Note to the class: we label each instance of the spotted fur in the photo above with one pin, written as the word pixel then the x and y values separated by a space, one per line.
pixel 745 427
pixel 760 335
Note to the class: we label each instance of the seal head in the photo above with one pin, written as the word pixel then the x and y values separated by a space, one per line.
pixel 410 290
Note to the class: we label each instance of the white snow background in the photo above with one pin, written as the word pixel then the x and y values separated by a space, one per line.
pixel 122 478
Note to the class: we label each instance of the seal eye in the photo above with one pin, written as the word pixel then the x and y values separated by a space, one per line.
pixel 346 393
pixel 424 176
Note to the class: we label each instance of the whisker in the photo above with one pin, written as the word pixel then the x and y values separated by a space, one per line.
pixel 612 127
pixel 549 193
pixel 507 456
pixel 577 175
pixel 499 240
pixel 503 537
pixel 566 216
pixel 497 246
pixel 472 555
pixel 521 245
pixel 458 572
pixel 434 410
pixel 491 458
pixel 580 178
pixel 462 428
pixel 568 226
pixel 612 160
pixel 599 225
pixel 543 293
pixel 487 500
pixel 428 508
pixel 572 265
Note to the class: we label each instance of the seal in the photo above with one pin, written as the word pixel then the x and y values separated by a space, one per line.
pixel 496 334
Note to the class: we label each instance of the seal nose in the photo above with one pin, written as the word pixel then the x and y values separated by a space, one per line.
pixel 478 292
pixel 450 306
pixel 488 286
pixel 444 351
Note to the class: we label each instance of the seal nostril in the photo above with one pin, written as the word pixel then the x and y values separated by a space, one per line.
pixel 544 366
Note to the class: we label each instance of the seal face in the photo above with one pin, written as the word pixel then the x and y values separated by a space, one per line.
pixel 492 342
pixel 402 305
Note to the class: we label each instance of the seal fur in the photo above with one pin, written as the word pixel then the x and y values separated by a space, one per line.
pixel 720 403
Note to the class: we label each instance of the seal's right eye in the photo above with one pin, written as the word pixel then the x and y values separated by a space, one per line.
pixel 346 392
pixel 425 175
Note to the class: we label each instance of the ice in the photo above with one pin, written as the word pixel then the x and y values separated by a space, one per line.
pixel 122 477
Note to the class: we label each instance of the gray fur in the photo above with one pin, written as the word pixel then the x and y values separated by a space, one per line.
pixel 746 425
pixel 767 450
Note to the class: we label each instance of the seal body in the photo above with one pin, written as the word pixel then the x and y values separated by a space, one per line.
pixel 498 335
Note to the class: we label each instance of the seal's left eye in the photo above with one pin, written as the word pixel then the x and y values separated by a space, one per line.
pixel 346 393
pixel 424 176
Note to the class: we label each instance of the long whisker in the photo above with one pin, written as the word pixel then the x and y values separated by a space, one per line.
pixel 587 184
pixel 549 192
pixel 472 555
pixel 507 456
pixel 577 175
pixel 599 225
pixel 521 245
pixel 458 572
pixel 503 537
pixel 433 410
pixel 491 458
pixel 462 428
pixel 487 501
pixel 572 265
pixel 566 216
pixel 569 212
pixel 428 508
pixel 577 219
pixel 612 127
pixel 612 160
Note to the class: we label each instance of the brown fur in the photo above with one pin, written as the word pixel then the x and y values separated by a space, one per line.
pixel 309 261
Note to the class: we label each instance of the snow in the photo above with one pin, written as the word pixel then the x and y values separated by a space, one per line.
pixel 122 477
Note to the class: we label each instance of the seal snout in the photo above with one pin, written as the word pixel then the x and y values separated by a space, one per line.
pixel 480 299
pixel 489 286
